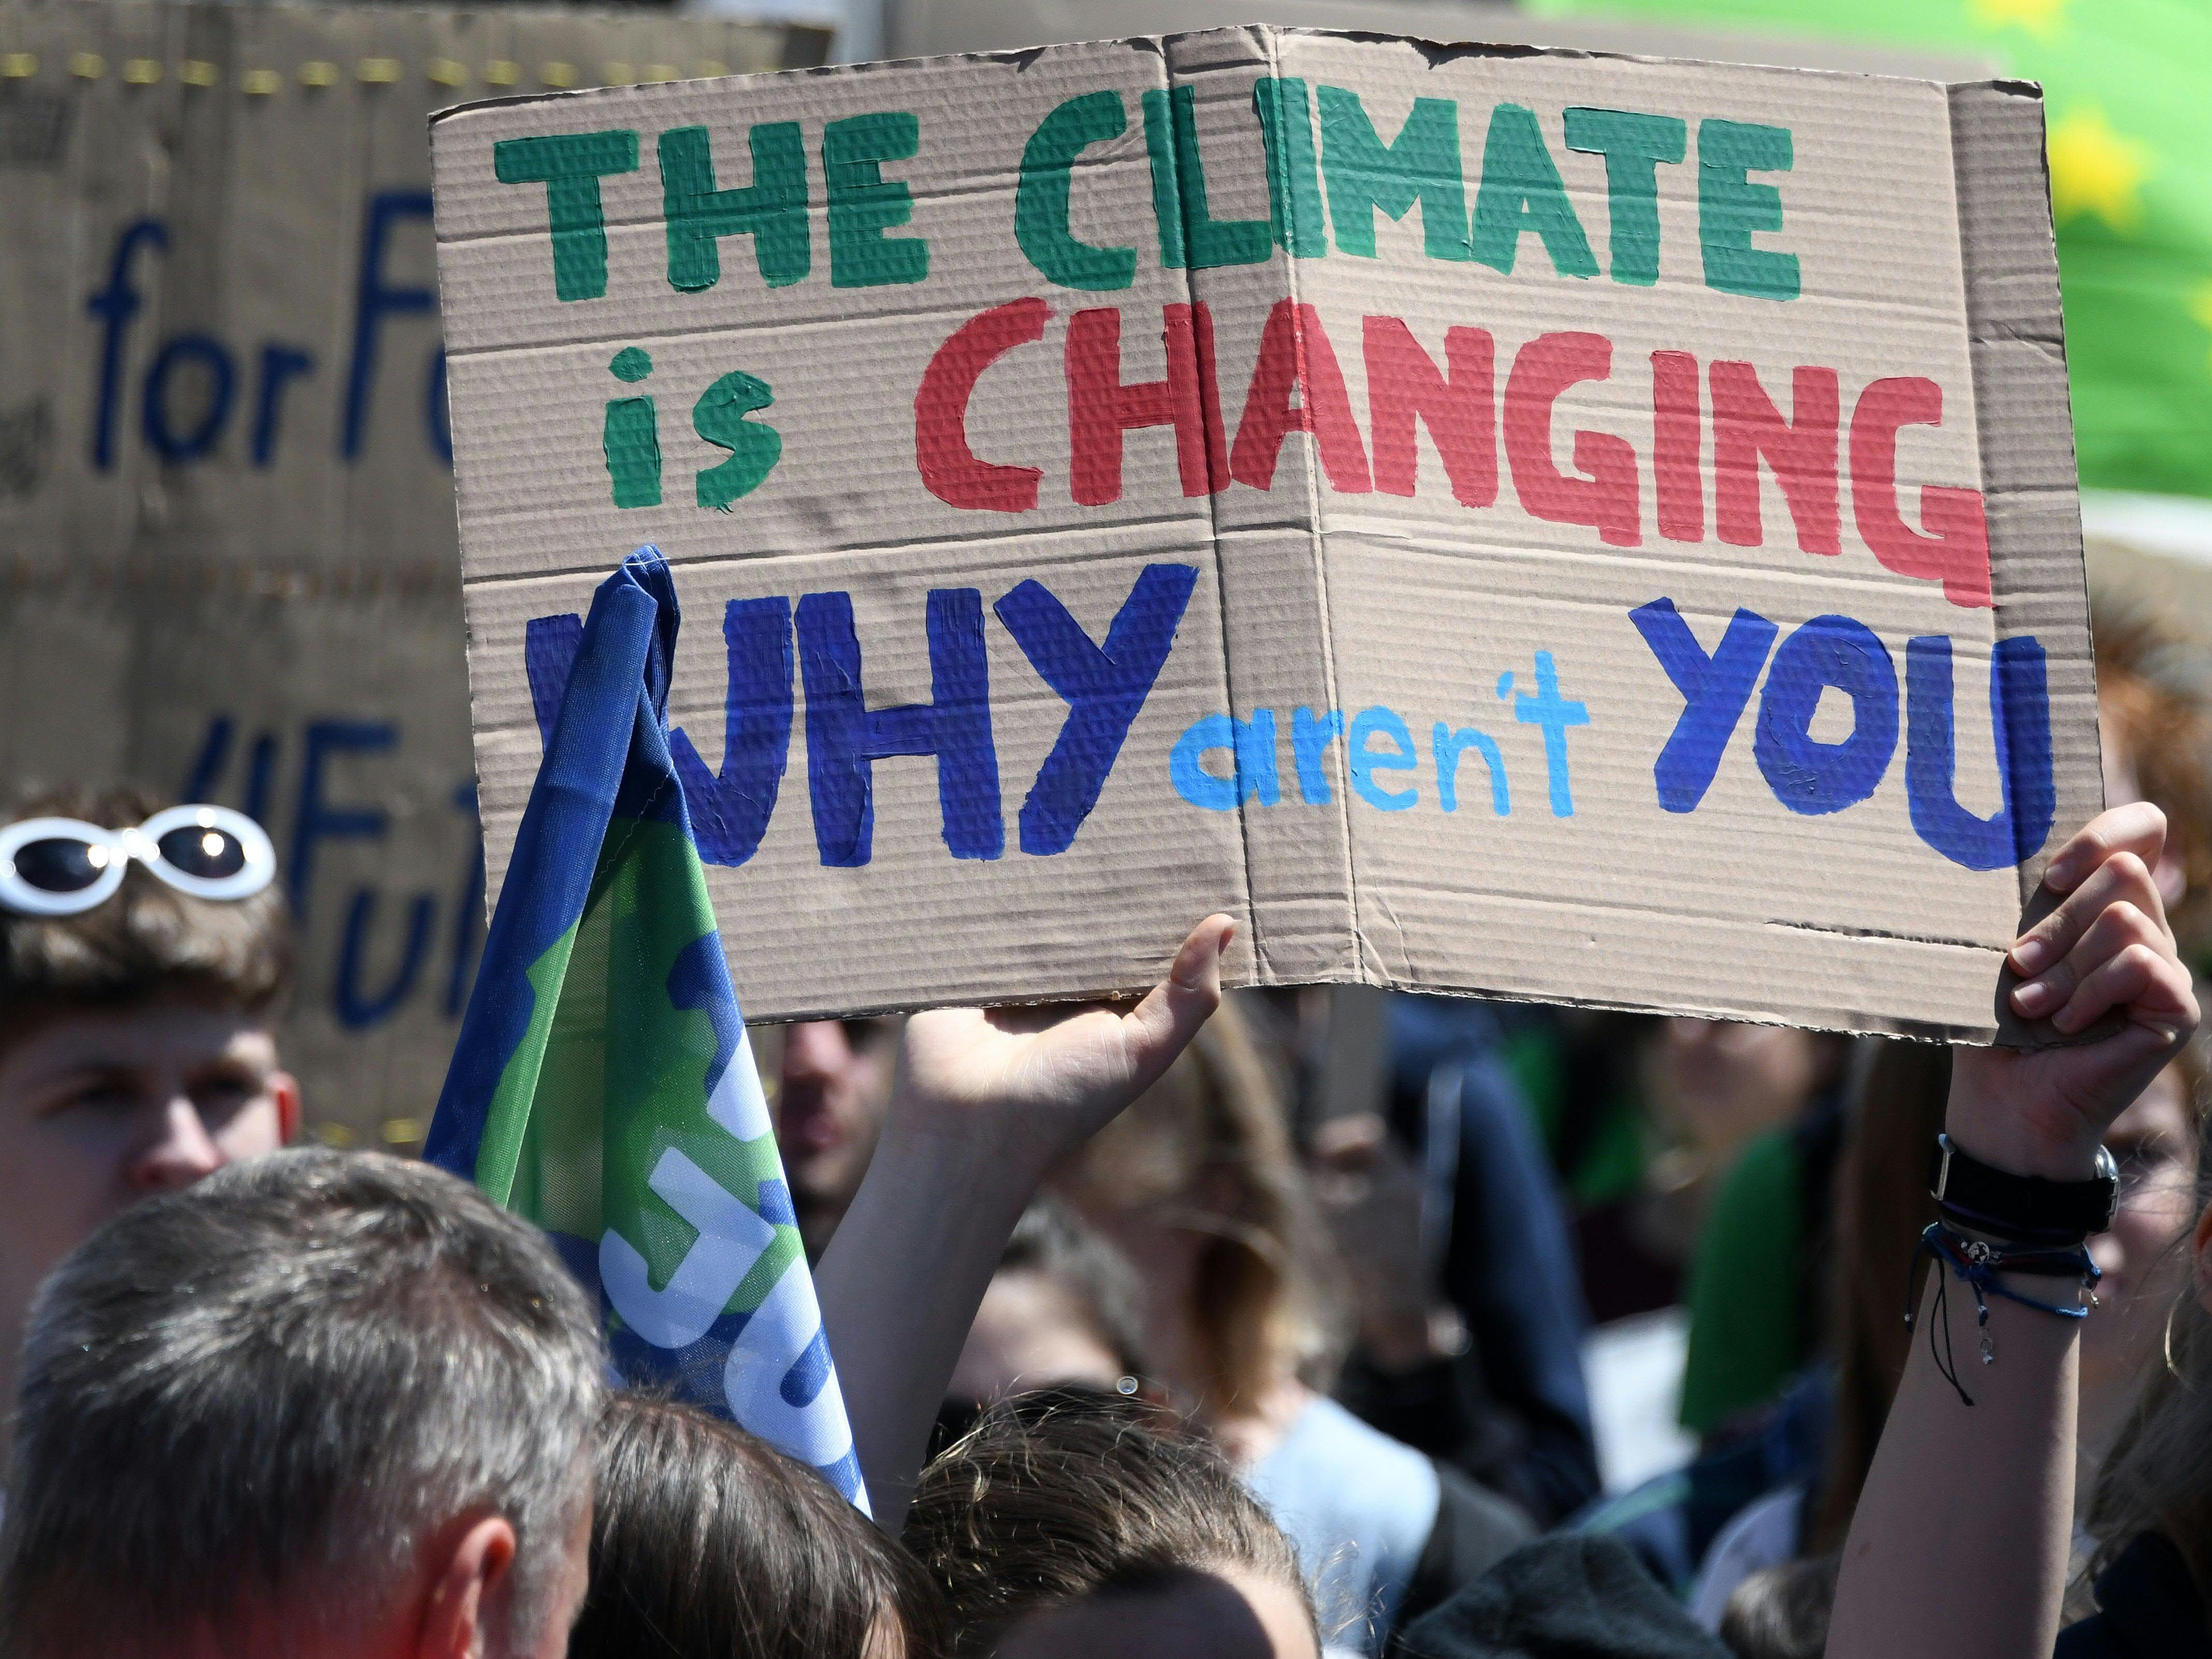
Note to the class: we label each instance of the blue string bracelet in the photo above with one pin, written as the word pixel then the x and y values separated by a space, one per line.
pixel 1980 1265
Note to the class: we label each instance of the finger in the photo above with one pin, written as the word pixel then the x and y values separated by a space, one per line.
pixel 2137 978
pixel 1159 1027
pixel 2117 926
pixel 2123 878
pixel 1355 1138
pixel 2137 828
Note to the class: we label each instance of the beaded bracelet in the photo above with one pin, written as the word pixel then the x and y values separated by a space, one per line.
pixel 1980 1263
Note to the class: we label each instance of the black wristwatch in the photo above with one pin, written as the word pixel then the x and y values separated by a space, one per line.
pixel 2023 1206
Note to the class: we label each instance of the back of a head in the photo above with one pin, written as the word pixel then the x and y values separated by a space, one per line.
pixel 245 1405
pixel 1053 1498
pixel 707 1543
pixel 146 940
pixel 1782 1611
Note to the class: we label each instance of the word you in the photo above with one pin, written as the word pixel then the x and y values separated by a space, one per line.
pixel 1813 775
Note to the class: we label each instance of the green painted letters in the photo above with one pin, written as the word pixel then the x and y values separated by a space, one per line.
pixel 1041 199
pixel 1421 163
pixel 863 204
pixel 772 210
pixel 1293 180
pixel 631 437
pixel 1521 191
pixel 1633 145
pixel 1167 196
pixel 1731 207
pixel 570 166
pixel 754 446
pixel 1189 233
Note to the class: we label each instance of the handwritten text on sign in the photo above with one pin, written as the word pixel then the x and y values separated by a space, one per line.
pixel 1438 504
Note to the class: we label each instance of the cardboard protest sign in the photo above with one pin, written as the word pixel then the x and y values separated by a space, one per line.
pixel 923 28
pixel 226 556
pixel 1593 529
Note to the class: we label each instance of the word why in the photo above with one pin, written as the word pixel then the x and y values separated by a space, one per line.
pixel 1298 385
pixel 1104 686
pixel 1810 775
pixel 1251 746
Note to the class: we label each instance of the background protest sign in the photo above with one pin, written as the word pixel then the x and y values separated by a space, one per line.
pixel 1586 528
pixel 226 554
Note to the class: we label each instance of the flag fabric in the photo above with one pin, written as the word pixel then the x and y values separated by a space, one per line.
pixel 603 1086
pixel 2130 145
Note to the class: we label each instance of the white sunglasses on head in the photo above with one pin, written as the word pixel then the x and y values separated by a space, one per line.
pixel 63 867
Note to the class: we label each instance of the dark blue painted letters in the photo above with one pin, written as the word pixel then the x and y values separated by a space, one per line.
pixel 1104 686
pixel 2019 710
pixel 845 737
pixel 1714 690
pixel 1806 774
pixel 730 812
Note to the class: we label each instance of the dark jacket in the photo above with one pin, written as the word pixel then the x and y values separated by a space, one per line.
pixel 2149 1607
pixel 1567 1597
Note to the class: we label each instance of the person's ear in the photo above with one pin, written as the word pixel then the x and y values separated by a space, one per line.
pixel 468 1577
pixel 2201 1246
pixel 284 1089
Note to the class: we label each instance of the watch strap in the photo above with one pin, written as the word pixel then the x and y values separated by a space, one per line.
pixel 2024 1207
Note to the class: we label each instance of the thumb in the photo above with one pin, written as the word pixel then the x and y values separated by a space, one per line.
pixel 1161 1026
pixel 2122 1066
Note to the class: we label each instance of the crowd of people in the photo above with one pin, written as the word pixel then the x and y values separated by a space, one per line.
pixel 1153 1338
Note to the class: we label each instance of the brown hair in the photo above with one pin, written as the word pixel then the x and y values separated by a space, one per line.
pixel 2158 1475
pixel 1056 1496
pixel 1265 1290
pixel 1054 1242
pixel 2152 706
pixel 147 940
pixel 707 1543
pixel 1894 1109
pixel 1882 1206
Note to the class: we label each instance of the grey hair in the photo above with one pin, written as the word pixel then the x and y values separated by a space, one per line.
pixel 252 1400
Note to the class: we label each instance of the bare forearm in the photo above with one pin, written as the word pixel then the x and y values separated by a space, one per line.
pixel 899 1287
pixel 1959 1549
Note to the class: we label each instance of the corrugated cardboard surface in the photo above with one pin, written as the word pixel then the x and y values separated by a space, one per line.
pixel 922 28
pixel 274 625
pixel 1918 216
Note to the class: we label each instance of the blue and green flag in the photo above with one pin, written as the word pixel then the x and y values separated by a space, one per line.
pixel 603 1086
